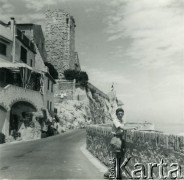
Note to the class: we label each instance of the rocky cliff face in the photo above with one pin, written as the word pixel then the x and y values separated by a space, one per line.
pixel 90 109
pixel 73 114
pixel 99 108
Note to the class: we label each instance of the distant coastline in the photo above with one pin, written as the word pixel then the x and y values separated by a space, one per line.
pixel 170 128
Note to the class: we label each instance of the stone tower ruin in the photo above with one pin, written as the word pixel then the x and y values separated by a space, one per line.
pixel 60 41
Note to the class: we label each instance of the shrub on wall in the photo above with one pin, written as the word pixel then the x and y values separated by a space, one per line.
pixel 83 78
pixel 80 76
pixel 71 74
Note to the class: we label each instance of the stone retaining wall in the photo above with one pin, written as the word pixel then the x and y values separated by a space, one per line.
pixel 64 90
pixel 142 147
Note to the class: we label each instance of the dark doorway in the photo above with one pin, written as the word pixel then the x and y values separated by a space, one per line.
pixel 18 114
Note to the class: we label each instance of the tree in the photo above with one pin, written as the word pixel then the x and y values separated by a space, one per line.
pixel 52 71
pixel 80 76
pixel 83 78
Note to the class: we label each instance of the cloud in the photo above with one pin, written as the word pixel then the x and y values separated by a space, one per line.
pixel 107 76
pixel 156 28
pixel 9 8
pixel 39 5
pixel 93 6
pixel 3 1
pixel 6 8
pixel 89 10
pixel 103 79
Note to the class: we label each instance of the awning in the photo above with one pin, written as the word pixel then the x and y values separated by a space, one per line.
pixel 7 64
pixel 16 66
pixel 25 76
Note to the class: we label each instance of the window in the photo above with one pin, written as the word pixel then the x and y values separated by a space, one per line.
pixel 67 20
pixel 42 46
pixel 3 48
pixel 31 62
pixel 55 110
pixel 2 76
pixel 76 66
pixel 48 105
pixel 48 84
pixel 23 54
pixel 52 87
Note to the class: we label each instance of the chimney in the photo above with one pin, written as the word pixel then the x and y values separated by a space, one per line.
pixel 12 25
pixel 13 30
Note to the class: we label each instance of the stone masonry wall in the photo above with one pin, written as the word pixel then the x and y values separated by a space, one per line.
pixel 77 64
pixel 59 39
pixel 98 109
pixel 95 90
pixel 141 147
pixel 64 90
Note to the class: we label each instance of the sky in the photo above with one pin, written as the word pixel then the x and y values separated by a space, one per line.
pixel 138 45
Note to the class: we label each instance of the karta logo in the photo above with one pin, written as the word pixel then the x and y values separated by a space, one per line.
pixel 142 171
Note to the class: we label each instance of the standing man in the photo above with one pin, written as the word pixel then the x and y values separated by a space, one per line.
pixel 117 143
pixel 118 122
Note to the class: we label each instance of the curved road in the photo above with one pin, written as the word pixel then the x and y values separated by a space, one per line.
pixel 56 157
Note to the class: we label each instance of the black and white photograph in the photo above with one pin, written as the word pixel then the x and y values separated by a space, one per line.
pixel 91 89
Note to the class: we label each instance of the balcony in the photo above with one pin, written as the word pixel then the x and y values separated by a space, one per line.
pixel 11 94
pixel 8 76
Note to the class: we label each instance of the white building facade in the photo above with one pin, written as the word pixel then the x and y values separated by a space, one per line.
pixel 25 82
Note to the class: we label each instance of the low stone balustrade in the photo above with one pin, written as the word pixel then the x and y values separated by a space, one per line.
pixel 11 94
pixel 142 148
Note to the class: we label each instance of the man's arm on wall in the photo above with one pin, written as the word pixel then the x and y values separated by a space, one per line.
pixel 122 127
pixel 116 123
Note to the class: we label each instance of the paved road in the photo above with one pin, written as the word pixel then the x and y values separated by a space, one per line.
pixel 57 157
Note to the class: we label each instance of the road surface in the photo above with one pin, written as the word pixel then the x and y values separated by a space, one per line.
pixel 56 157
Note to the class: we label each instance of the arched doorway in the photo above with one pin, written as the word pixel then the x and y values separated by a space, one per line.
pixel 3 113
pixel 19 113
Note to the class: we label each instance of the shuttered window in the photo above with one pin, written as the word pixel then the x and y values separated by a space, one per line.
pixel 23 54
pixel 3 48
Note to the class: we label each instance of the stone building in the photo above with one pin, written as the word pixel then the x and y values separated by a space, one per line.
pixel 25 83
pixel 60 41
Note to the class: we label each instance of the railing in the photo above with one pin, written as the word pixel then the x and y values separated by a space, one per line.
pixel 19 84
